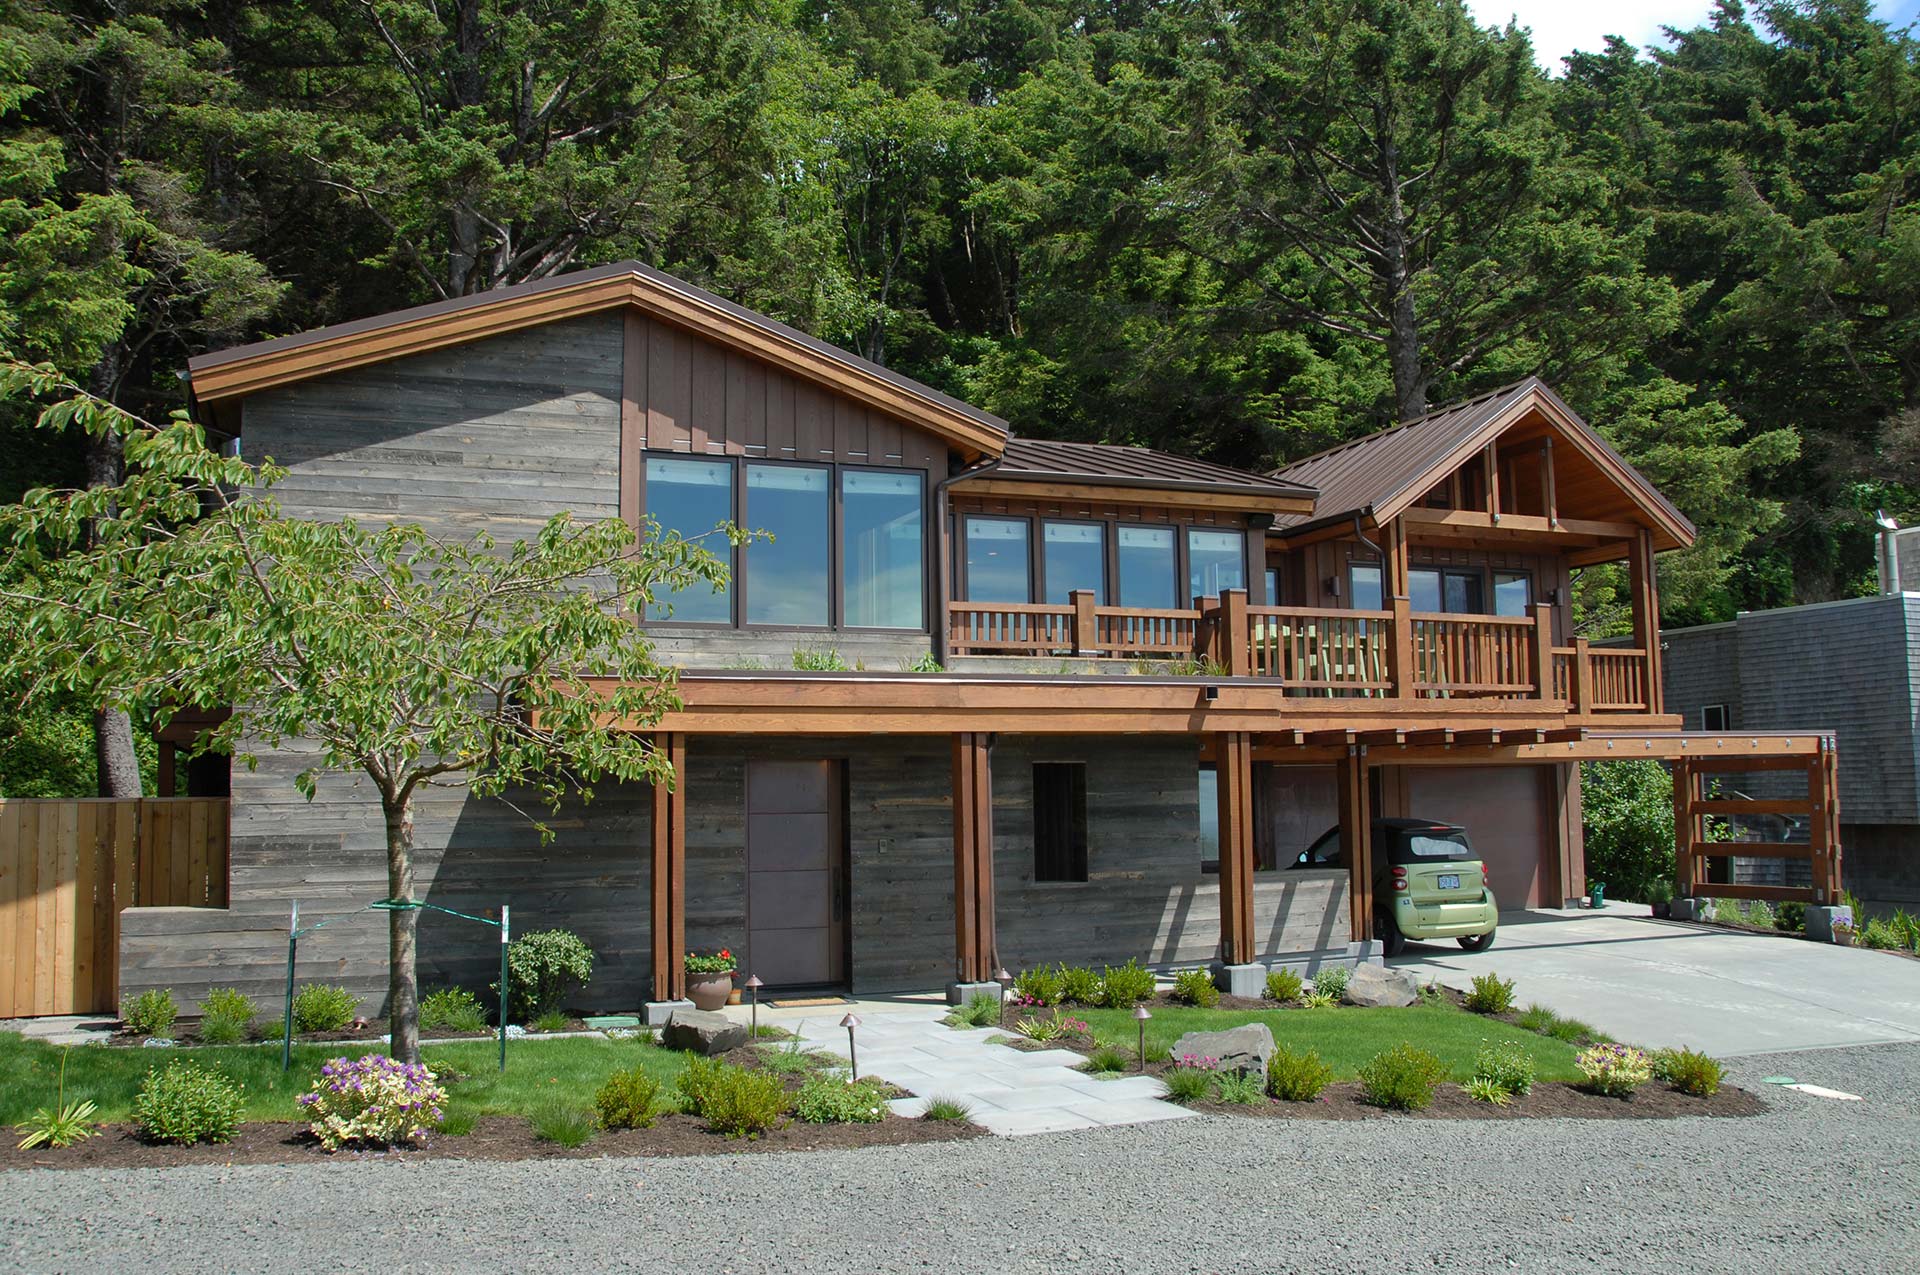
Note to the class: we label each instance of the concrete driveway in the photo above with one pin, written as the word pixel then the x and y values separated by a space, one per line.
pixel 1668 983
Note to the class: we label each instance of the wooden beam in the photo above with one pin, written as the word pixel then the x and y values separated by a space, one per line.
pixel 1381 737
pixel 669 877
pixel 1337 738
pixel 1478 738
pixel 1771 893
pixel 1356 834
pixel 633 415
pixel 1433 738
pixel 1547 490
pixel 1252 501
pixel 1566 734
pixel 975 954
pixel 1490 465
pixel 1749 849
pixel 1754 806
pixel 1234 775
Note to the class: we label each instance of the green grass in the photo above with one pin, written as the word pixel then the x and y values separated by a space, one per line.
pixel 1347 1038
pixel 536 1072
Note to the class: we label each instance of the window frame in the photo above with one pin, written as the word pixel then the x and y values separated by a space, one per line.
pixel 928 575
pixel 1077 856
pixel 1185 542
pixel 1493 589
pixel 1037 582
pixel 732 555
pixel 744 578
pixel 1726 717
pixel 963 575
pixel 1179 560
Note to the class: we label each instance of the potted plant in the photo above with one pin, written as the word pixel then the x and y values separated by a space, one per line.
pixel 710 978
pixel 1660 897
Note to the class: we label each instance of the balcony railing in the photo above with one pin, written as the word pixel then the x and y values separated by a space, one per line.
pixel 1397 653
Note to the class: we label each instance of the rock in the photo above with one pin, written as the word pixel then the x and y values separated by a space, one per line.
pixel 702 1032
pixel 1377 985
pixel 1244 1048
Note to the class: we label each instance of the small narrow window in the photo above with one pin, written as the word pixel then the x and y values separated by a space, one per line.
pixel 1512 593
pixel 1715 717
pixel 1059 821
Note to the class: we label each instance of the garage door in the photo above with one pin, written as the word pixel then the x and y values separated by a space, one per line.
pixel 1504 810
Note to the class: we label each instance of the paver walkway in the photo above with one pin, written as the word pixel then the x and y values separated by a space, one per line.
pixel 1009 1091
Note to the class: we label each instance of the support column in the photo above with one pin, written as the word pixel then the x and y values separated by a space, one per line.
pixel 1685 787
pixel 1823 795
pixel 1356 834
pixel 975 945
pixel 1233 769
pixel 1644 589
pixel 669 883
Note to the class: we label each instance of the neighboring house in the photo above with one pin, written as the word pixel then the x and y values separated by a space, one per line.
pixel 1854 663
pixel 1159 678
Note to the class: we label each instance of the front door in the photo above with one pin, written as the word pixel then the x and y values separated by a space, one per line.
pixel 796 864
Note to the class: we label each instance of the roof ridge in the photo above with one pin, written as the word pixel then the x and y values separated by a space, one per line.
pixel 1447 410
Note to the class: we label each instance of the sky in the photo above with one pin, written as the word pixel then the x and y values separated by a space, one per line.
pixel 1561 26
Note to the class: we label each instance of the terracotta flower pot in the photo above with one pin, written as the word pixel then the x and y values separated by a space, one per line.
pixel 709 991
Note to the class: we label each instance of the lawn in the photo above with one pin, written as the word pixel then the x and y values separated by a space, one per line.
pixel 536 1071
pixel 1346 1038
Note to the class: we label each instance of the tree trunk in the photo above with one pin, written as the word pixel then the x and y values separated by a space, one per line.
pixel 116 765
pixel 403 979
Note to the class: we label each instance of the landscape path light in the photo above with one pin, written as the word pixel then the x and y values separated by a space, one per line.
pixel 1140 1016
pixel 850 1022
pixel 753 986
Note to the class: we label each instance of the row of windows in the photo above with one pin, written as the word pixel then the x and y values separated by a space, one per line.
pixel 846 547
pixel 1448 590
pixel 1121 565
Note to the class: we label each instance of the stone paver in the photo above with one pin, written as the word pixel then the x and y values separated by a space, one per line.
pixel 1008 1091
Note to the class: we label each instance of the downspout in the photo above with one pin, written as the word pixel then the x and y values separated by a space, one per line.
pixel 1361 536
pixel 943 566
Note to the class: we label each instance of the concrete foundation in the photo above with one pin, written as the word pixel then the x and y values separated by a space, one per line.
pixel 1366 952
pixel 961 993
pixel 1821 922
pixel 656 1013
pixel 1695 909
pixel 1248 981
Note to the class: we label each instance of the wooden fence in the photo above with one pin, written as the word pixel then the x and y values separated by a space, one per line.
pixel 1692 808
pixel 67 868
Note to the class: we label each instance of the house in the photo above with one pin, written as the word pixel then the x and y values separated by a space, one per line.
pixel 1150 680
pixel 1854 662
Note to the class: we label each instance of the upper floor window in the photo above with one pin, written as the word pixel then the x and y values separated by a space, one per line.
pixel 999 563
pixel 788 578
pixel 1715 717
pixel 1512 593
pixel 1216 562
pixel 1363 579
pixel 1452 592
pixel 1148 578
pixel 1073 556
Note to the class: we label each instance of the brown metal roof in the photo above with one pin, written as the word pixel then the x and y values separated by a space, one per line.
pixel 1379 475
pixel 240 369
pixel 1112 465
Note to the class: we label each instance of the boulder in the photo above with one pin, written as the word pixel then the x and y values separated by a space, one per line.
pixel 702 1032
pixel 1377 985
pixel 1244 1048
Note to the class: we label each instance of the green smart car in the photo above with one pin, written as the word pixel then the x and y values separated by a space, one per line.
pixel 1428 883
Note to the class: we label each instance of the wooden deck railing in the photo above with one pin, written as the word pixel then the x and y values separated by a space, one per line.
pixel 1392 653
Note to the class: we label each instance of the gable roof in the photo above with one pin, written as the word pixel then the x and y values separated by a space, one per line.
pixel 230 374
pixel 1381 475
pixel 1035 467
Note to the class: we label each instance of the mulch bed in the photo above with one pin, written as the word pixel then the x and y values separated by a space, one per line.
pixel 1548 1100
pixel 186 1033
pixel 493 1138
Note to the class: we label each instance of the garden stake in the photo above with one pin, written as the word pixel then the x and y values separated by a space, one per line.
pixel 853 1063
pixel 753 986
pixel 293 943
pixel 1140 1015
pixel 503 987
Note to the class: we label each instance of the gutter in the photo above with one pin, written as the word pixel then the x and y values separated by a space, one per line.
pixel 943 564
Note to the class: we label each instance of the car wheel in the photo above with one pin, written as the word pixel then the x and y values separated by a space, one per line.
pixel 1392 941
pixel 1478 942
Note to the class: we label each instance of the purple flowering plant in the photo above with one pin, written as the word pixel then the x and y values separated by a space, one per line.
pixel 373 1101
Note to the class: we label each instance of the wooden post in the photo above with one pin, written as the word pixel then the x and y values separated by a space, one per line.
pixel 1823 795
pixel 1236 634
pixel 1645 596
pixel 1580 679
pixel 1356 834
pixel 1085 623
pixel 1208 642
pixel 669 886
pixel 973 907
pixel 1684 867
pixel 1491 463
pixel 1233 769
pixel 1404 665
pixel 1543 650
pixel 1547 492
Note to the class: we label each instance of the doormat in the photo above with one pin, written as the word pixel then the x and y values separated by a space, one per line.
pixel 808 1002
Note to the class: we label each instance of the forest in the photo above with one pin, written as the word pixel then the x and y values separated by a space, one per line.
pixel 1243 233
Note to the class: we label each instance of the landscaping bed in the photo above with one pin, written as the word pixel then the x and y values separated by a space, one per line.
pixel 1552 1100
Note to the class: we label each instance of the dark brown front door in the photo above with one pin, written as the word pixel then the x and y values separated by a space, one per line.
pixel 796 864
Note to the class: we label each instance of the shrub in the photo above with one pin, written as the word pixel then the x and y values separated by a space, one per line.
pixel 1506 1065
pixel 1488 1091
pixel 947 1109
pixel 319 1008
pixel 552 1020
pixel 981 1010
pixel 1490 994
pixel 1332 981
pixel 1052 1027
pixel 791 1060
pixel 1313 998
pixel 1297 1077
pixel 1243 1089
pixel 1687 1070
pixel 1123 987
pixel 1195 987
pixel 1907 927
pixel 734 1101
pixel 187 1103
pixel 151 1013
pixel 1791 917
pixel 1402 1078
pixel 562 1123
pixel 1614 1070
pixel 1760 912
pixel 628 1099
pixel 818 659
pixel 229 1002
pixel 1079 985
pixel 452 1009
pixel 1107 1058
pixel 1158 1053
pixel 1627 807
pixel 1038 986
pixel 1283 986
pixel 1727 912
pixel 834 1097
pixel 1188 1084
pixel 542 967
pixel 226 1017
pixel 373 1100
pixel 1880 935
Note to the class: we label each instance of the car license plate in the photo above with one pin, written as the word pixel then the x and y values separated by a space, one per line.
pixel 1450 881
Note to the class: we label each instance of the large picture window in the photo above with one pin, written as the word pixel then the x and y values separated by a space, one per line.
pixel 1074 556
pixel 882 556
pixel 786 577
pixel 998 562
pixel 689 498
pixel 1148 577
pixel 1216 562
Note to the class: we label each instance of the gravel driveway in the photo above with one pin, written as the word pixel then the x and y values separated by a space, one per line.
pixel 1816 1185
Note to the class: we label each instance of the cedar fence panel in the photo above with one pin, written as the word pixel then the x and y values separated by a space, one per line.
pixel 67 868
